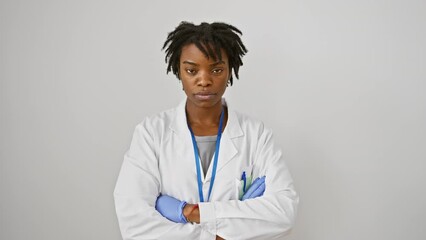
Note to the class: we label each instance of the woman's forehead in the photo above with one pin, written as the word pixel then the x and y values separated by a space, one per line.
pixel 191 52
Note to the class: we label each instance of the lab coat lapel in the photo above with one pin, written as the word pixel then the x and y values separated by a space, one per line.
pixel 183 145
pixel 227 150
pixel 226 153
pixel 179 124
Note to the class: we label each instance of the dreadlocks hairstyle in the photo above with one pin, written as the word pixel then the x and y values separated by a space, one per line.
pixel 210 38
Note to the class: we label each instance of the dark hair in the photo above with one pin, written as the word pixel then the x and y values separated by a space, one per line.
pixel 210 38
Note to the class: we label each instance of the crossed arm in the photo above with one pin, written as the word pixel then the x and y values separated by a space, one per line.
pixel 180 212
pixel 192 213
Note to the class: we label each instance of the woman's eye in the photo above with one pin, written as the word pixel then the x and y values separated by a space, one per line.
pixel 190 71
pixel 218 70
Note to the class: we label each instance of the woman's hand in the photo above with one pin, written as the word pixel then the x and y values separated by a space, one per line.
pixel 181 212
pixel 171 208
pixel 192 213
pixel 256 189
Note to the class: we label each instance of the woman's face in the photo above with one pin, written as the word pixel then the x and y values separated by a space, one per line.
pixel 204 79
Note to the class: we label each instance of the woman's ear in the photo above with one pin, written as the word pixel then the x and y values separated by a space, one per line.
pixel 178 74
pixel 228 83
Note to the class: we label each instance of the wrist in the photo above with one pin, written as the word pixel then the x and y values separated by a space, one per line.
pixel 182 217
pixel 192 213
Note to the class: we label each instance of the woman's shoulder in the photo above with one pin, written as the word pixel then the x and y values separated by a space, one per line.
pixel 158 120
pixel 162 116
pixel 250 123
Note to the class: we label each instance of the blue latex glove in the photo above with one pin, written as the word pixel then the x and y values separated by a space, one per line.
pixel 256 189
pixel 171 208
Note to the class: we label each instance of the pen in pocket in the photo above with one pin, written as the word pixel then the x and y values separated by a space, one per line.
pixel 244 179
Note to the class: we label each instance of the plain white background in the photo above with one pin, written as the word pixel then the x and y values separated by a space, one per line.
pixel 342 83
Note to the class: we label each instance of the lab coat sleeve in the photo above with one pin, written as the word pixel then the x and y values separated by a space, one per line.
pixel 270 216
pixel 136 192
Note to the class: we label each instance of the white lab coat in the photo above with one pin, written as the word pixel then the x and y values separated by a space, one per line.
pixel 161 160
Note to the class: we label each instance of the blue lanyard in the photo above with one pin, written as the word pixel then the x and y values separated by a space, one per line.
pixel 197 161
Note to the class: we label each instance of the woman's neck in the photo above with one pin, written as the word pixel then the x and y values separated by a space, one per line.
pixel 207 116
pixel 205 121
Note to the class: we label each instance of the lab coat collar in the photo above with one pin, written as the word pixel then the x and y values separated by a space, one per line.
pixel 227 146
pixel 179 123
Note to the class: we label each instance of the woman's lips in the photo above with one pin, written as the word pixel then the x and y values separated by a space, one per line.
pixel 204 96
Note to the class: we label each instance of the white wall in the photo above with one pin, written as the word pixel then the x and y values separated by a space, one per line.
pixel 342 83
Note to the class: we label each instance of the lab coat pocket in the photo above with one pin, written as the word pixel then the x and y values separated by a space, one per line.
pixel 238 189
pixel 242 186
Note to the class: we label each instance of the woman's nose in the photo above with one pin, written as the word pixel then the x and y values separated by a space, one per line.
pixel 204 79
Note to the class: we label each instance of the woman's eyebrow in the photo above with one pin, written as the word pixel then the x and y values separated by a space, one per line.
pixel 190 63
pixel 195 64
pixel 217 63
